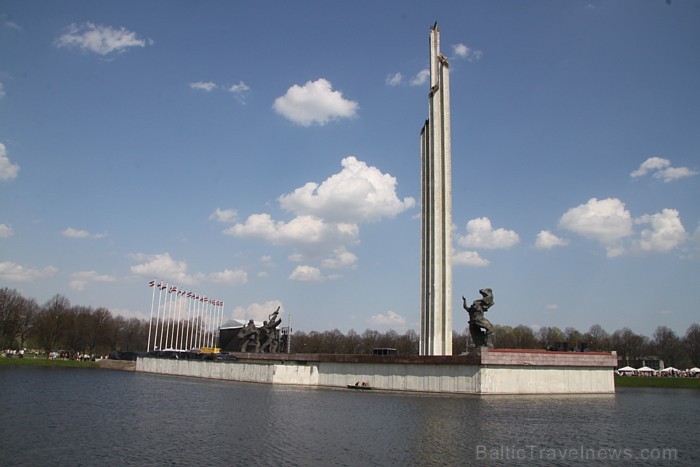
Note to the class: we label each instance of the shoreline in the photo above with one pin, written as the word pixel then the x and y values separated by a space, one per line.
pixel 127 365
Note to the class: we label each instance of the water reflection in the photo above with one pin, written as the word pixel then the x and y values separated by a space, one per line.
pixel 67 416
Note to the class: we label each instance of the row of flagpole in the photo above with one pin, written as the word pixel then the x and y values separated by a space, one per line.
pixel 168 331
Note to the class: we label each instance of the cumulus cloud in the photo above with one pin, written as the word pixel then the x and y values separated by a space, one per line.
pixel 546 240
pixel 394 79
pixel 8 170
pixel 661 168
pixel 79 280
pixel 465 52
pixel 257 311
pixel 307 273
pixel 99 39
pixel 228 276
pixel 207 86
pixel 76 233
pixel 481 234
pixel 163 265
pixel 421 77
pixel 469 258
pixel 391 319
pixel 6 231
pixel 240 91
pixel 300 230
pixel 607 221
pixel 14 272
pixel 358 193
pixel 340 258
pixel 327 215
pixel 223 215
pixel 664 234
pixel 314 103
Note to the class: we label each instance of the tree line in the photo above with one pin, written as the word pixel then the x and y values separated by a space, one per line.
pixel 58 325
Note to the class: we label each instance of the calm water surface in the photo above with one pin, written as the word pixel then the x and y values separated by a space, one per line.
pixel 73 416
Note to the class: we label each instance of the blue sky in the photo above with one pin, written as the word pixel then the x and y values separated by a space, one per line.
pixel 266 154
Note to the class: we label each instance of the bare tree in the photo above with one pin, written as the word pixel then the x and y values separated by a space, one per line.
pixel 691 343
pixel 597 339
pixel 50 323
pixel 10 310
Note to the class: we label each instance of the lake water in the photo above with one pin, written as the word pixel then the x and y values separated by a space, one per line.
pixel 73 416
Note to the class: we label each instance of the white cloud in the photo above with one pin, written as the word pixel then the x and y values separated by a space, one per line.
pixel 466 52
pixel 8 170
pixel 391 319
pixel 341 258
pixel 469 258
pixel 12 25
pixel 163 265
pixel 327 216
pixel 14 272
pixel 6 231
pixel 661 168
pixel 314 103
pixel 75 233
pixel 207 86
pixel 358 193
pixel 394 80
pixel 2 90
pixel 240 91
pixel 228 276
pixel 421 77
pixel 80 279
pixel 606 221
pixel 666 232
pixel 306 274
pixel 223 215
pixel 257 311
pixel 480 234
pixel 546 240
pixel 100 39
pixel 300 230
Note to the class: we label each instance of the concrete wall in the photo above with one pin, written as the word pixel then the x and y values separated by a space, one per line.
pixel 498 372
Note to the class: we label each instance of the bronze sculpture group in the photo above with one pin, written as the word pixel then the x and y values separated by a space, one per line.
pixel 265 338
pixel 480 328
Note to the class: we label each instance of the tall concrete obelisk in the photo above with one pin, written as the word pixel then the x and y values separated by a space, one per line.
pixel 436 210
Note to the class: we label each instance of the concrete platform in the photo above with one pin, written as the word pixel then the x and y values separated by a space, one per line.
pixel 485 372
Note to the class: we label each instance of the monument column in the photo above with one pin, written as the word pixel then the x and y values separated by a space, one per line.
pixel 436 210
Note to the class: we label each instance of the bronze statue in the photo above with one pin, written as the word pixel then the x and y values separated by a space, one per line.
pixel 249 334
pixel 270 334
pixel 480 328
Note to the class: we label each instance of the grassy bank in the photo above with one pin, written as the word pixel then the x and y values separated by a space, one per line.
pixel 656 382
pixel 42 360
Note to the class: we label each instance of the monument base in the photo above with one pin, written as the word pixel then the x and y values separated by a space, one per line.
pixel 486 372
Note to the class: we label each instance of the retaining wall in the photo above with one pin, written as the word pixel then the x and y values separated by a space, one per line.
pixel 489 372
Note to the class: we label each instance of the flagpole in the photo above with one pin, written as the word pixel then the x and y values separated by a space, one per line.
pixel 162 323
pixel 179 315
pixel 151 284
pixel 186 334
pixel 211 323
pixel 170 315
pixel 198 335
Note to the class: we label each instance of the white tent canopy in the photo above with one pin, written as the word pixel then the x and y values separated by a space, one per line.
pixel 694 370
pixel 646 369
pixel 626 369
pixel 669 369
